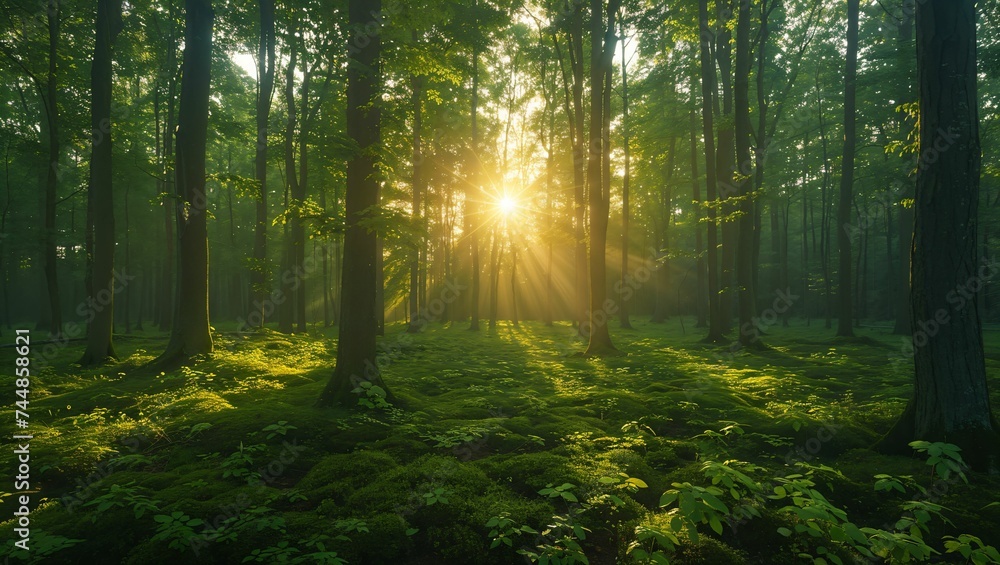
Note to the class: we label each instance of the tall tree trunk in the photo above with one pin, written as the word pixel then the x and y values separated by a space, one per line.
pixel 715 324
pixel 601 54
pixel 700 299
pixel 287 279
pixel 356 363
pixel 743 132
pixel 416 321
pixel 53 15
pixel 166 283
pixel 951 401
pixel 299 192
pixel 725 165
pixel 623 307
pixel 476 193
pixel 191 333
pixel 265 88
pixel 579 167
pixel 100 195
pixel 845 318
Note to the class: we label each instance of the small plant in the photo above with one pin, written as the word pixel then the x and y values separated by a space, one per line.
pixel 695 505
pixel 944 458
pixel 176 528
pixel 281 428
pixel 197 429
pixel 561 545
pixel 972 549
pixel 372 396
pixel 734 429
pixel 622 482
pixel 562 491
pixel 456 436
pixel 504 531
pixel 124 496
pixel 652 545
pixel 239 462
pixel 438 496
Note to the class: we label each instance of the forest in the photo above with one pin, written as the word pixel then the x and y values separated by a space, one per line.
pixel 500 281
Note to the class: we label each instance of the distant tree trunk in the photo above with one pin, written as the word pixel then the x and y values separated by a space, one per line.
pixel 579 167
pixel 725 165
pixel 191 334
pixel 416 322
pixel 951 400
pixel 824 234
pixel 356 350
pixel 700 300
pixel 265 89
pixel 287 279
pixel 743 132
pixel 513 283
pixel 601 54
pixel 299 192
pixel 845 319
pixel 166 283
pixel 661 298
pixel 53 15
pixel 495 251
pixel 476 192
pixel 623 307
pixel 100 195
pixel 715 333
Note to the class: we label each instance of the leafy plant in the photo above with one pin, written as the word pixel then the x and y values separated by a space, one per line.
pixel 124 496
pixel 373 396
pixel 972 549
pixel 944 458
pixel 281 428
pixel 239 462
pixel 651 545
pixel 176 528
pixel 562 491
pixel 561 545
pixel 695 505
pixel 504 531
pixel 438 495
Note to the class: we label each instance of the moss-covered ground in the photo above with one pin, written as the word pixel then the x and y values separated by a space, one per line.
pixel 228 460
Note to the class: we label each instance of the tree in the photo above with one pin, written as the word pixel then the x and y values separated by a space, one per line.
pixel 358 325
pixel 715 322
pixel 100 348
pixel 845 319
pixel 744 256
pixel 190 334
pixel 602 49
pixel 265 90
pixel 951 401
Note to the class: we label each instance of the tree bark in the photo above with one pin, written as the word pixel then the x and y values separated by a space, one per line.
pixel 845 318
pixel 743 131
pixel 265 88
pixel 356 363
pixel 623 307
pixel 951 401
pixel 100 347
pixel 715 333
pixel 601 54
pixel 191 334
pixel 53 15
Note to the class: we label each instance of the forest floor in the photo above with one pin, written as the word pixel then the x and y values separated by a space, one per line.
pixel 229 461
